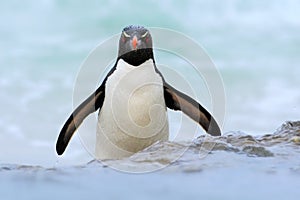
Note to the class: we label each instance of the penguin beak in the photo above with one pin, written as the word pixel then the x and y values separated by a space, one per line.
pixel 134 43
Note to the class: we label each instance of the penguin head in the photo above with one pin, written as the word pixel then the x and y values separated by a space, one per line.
pixel 135 45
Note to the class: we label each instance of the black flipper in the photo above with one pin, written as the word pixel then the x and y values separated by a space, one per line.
pixel 90 105
pixel 176 100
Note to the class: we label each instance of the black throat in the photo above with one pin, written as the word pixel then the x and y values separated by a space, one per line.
pixel 137 57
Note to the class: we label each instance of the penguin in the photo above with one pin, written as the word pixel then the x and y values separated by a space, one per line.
pixel 132 101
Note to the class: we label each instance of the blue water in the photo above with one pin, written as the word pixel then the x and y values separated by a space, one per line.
pixel 254 44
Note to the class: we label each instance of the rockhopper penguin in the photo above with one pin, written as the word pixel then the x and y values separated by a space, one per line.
pixel 132 101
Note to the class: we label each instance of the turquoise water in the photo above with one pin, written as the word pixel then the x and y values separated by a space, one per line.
pixel 255 46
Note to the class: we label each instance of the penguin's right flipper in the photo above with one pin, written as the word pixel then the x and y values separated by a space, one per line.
pixel 177 100
pixel 90 105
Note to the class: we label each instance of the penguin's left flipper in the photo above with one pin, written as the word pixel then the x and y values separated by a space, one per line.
pixel 90 105
pixel 176 100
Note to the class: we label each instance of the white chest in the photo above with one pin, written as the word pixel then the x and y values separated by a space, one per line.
pixel 133 115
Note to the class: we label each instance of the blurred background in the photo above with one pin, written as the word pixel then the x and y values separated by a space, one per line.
pixel 254 44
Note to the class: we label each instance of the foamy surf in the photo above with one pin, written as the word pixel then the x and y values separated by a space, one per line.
pixel 238 166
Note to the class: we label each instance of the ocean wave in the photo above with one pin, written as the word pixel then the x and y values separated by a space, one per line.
pixel 282 144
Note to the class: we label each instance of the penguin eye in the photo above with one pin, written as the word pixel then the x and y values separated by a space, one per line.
pixel 126 35
pixel 144 35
